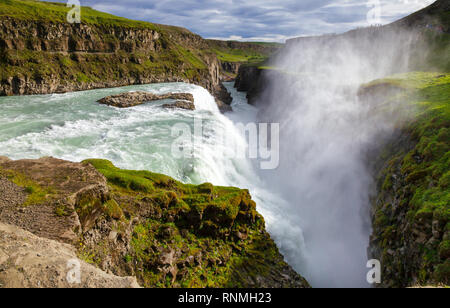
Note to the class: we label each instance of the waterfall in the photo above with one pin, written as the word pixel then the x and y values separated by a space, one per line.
pixel 74 127
pixel 325 132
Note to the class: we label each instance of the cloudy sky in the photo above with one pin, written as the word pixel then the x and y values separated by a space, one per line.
pixel 261 20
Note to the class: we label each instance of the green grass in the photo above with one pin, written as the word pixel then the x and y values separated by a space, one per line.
pixel 57 12
pixel 195 221
pixel 36 194
pixel 237 55
pixel 416 81
pixel 424 169
pixel 439 56
pixel 244 52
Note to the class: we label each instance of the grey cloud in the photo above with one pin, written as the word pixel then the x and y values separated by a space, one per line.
pixel 255 19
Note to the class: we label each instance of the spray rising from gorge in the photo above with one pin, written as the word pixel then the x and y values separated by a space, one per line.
pixel 326 131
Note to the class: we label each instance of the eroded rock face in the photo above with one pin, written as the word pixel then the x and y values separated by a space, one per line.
pixel 130 99
pixel 129 224
pixel 74 51
pixel 223 98
pixel 28 261
pixel 410 234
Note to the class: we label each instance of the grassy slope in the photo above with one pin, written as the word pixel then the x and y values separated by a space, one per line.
pixel 239 55
pixel 193 221
pixel 424 191
pixel 244 52
pixel 233 55
pixel 57 12
pixel 435 14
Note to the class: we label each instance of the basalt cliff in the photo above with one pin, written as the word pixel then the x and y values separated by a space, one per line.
pixel 42 53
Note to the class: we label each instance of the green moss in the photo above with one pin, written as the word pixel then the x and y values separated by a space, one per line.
pixel 422 171
pixel 86 206
pixel 444 250
pixel 86 255
pixel 442 272
pixel 381 220
pixel 113 210
pixel 36 193
pixel 197 223
pixel 428 162
pixel 62 211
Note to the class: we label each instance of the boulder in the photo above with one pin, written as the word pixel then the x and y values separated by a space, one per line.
pixel 187 105
pixel 131 99
pixel 27 261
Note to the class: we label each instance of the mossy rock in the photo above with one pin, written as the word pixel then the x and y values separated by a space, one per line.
pixel 192 235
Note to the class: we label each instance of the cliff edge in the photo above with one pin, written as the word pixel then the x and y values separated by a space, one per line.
pixel 136 223
pixel 42 53
pixel 411 203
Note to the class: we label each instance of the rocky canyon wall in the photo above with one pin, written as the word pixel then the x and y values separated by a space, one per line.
pixel 39 57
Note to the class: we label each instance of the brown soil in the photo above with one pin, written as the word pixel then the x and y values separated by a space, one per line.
pixel 67 181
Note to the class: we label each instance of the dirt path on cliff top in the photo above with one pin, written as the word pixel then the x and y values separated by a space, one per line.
pixel 11 194
pixel 64 182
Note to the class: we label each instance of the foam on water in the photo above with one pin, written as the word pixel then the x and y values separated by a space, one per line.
pixel 74 127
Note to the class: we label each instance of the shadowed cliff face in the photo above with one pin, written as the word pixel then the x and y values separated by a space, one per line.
pixel 40 57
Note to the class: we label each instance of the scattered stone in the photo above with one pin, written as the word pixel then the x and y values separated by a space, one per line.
pixel 241 236
pixel 40 219
pixel 190 261
pixel 187 105
pixel 113 236
pixel 167 257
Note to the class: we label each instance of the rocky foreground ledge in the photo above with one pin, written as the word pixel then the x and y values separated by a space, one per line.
pixel 30 261
pixel 122 224
pixel 131 99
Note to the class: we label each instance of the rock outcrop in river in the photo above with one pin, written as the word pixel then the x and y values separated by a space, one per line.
pixel 130 99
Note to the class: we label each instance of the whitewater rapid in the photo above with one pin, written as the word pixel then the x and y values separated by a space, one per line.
pixel 74 127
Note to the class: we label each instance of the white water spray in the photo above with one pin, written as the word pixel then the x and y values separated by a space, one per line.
pixel 324 136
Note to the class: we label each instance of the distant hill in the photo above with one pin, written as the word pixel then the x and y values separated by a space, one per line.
pixel 430 27
pixel 436 15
